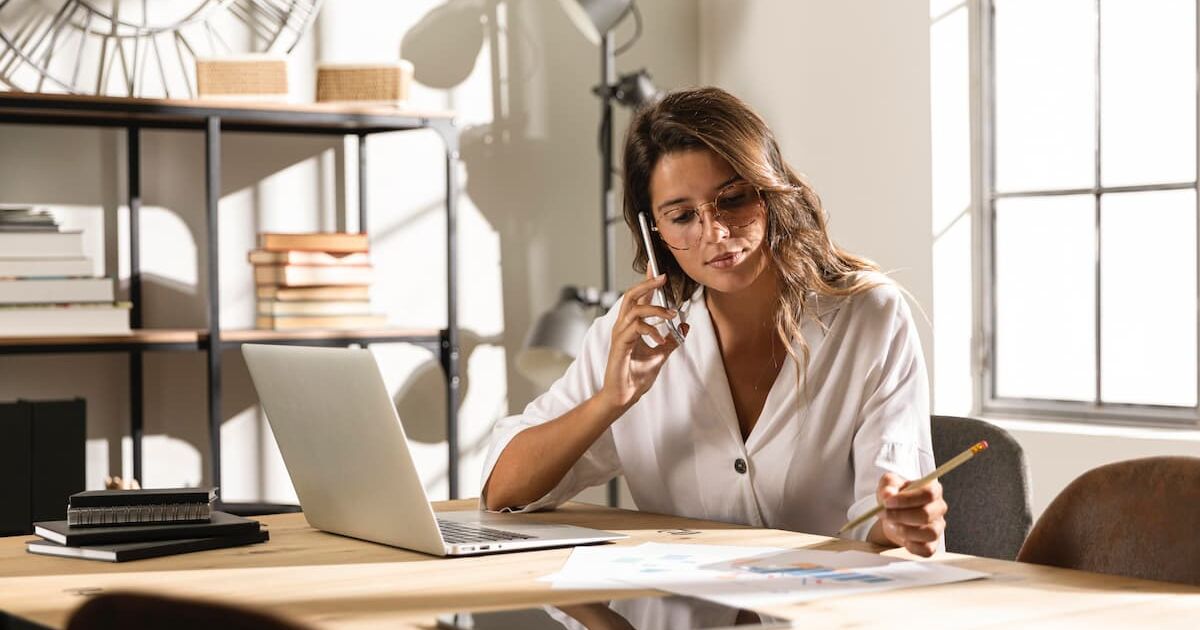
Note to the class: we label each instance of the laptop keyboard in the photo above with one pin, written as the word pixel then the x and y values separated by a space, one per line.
pixel 455 532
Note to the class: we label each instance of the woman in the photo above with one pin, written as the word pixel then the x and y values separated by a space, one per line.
pixel 799 398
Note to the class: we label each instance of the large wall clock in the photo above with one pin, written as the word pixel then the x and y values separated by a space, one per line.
pixel 142 48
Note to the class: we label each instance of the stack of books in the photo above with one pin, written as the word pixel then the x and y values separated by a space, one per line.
pixel 120 525
pixel 314 281
pixel 46 283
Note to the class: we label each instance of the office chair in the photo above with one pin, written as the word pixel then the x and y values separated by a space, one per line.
pixel 989 497
pixel 112 611
pixel 1137 518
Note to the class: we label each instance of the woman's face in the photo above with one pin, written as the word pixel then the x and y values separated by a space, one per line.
pixel 723 259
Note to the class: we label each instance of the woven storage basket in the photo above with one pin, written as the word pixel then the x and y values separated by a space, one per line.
pixel 358 83
pixel 261 77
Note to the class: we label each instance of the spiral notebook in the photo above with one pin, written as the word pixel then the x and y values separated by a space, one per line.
pixel 99 508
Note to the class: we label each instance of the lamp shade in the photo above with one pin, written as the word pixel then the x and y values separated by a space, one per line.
pixel 554 340
pixel 594 18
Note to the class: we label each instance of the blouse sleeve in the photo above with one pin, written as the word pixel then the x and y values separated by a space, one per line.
pixel 582 380
pixel 893 433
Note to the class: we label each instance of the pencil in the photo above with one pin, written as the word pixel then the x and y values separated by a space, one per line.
pixel 954 462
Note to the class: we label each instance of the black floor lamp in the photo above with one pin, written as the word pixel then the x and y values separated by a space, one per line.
pixel 558 334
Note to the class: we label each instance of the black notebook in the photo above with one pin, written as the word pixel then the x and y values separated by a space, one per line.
pixel 222 524
pixel 133 507
pixel 139 550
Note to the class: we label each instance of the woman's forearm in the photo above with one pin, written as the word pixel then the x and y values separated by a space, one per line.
pixel 537 458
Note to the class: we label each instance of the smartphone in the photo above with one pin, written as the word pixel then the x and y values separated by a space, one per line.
pixel 659 294
pixel 643 613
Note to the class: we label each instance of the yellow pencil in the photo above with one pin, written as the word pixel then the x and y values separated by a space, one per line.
pixel 955 462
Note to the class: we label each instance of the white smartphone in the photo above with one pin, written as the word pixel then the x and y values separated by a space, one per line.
pixel 644 223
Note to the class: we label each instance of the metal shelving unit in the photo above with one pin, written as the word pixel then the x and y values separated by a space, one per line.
pixel 212 119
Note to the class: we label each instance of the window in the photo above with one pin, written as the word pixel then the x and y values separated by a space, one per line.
pixel 1089 206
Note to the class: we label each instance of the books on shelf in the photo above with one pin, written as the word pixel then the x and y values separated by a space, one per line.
pixel 311 294
pixel 140 506
pixel 34 320
pixel 46 283
pixel 328 242
pixel 275 308
pixel 25 219
pixel 311 275
pixel 55 290
pixel 77 266
pixel 334 322
pixel 314 281
pixel 41 244
pixel 294 257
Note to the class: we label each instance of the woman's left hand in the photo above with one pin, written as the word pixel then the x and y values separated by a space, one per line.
pixel 912 518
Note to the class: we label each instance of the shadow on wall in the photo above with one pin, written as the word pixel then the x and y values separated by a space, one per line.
pixel 533 170
pixel 421 399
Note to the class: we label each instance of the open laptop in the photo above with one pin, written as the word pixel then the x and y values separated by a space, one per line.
pixel 349 460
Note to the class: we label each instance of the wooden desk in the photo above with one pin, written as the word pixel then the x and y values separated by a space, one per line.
pixel 334 582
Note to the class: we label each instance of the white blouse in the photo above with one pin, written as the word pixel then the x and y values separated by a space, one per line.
pixel 809 464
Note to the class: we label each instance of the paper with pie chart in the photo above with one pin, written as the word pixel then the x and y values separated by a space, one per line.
pixel 750 577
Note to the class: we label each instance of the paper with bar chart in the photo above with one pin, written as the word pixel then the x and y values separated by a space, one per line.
pixel 749 577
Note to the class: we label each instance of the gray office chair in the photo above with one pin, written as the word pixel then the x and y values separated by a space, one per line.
pixel 988 497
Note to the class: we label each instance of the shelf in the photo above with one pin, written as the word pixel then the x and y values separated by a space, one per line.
pixel 213 118
pixel 185 339
pixel 74 109
pixel 143 339
pixel 423 336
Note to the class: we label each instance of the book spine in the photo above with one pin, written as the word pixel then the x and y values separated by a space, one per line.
pixel 15 469
pixel 329 242
pixel 56 291
pixel 139 514
pixel 59 432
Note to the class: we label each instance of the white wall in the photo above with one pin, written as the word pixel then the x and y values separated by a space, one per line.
pixel 528 225
pixel 845 87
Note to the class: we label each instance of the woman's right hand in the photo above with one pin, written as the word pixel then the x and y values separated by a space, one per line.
pixel 632 364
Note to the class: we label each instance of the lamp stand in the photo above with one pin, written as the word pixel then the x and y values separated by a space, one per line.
pixel 608 77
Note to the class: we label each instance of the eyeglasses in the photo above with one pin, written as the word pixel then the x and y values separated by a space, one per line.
pixel 736 206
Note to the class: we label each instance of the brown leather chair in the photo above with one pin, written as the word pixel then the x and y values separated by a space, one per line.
pixel 113 611
pixel 1138 518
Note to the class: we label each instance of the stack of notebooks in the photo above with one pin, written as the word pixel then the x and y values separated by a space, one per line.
pixel 120 525
pixel 46 283
pixel 314 281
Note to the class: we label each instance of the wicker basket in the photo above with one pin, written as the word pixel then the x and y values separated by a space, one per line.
pixel 358 83
pixel 248 77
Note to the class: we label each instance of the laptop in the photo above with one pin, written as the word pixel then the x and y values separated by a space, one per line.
pixel 348 457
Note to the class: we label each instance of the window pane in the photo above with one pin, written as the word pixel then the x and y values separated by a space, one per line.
pixel 1148 298
pixel 1045 298
pixel 1045 94
pixel 1148 91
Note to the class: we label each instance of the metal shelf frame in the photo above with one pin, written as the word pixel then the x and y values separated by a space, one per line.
pixel 136 115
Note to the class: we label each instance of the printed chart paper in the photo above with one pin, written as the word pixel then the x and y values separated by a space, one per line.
pixel 748 577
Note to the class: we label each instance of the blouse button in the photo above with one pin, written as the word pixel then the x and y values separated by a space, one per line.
pixel 739 465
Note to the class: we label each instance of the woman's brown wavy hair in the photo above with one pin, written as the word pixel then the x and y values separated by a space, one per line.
pixel 806 260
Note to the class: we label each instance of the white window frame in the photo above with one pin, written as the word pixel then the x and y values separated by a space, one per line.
pixel 985 196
